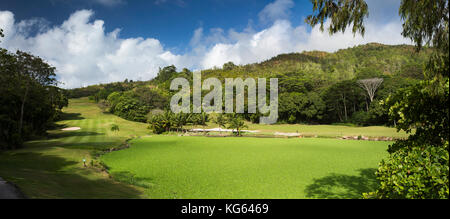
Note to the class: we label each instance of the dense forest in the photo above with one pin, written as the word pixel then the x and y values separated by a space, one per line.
pixel 315 87
pixel 30 99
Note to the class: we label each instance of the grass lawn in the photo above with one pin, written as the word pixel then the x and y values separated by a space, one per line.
pixel 53 167
pixel 191 167
pixel 331 130
pixel 200 167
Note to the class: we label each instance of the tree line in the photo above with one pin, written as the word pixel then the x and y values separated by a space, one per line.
pixel 30 100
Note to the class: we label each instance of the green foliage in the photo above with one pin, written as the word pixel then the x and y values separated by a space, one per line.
pixel 166 73
pixel 298 107
pixel 420 172
pixel 221 120
pixel 360 118
pixel 115 128
pixel 30 101
pixel 343 99
pixel 229 66
pixel 131 109
pixel 421 108
pixel 235 122
pixel 426 22
pixel 342 13
pixel 161 123
pixel 135 105
pixel 180 120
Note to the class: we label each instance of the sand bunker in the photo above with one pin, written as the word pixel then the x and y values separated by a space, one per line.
pixel 288 134
pixel 71 129
pixel 220 130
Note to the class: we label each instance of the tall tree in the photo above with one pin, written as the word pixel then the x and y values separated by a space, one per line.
pixel 370 86
pixel 32 70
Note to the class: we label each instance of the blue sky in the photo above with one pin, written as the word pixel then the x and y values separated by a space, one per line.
pixel 93 41
pixel 171 21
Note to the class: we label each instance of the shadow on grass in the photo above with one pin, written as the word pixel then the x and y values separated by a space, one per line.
pixel 45 176
pixel 130 178
pixel 71 116
pixel 339 186
pixel 60 139
pixel 73 134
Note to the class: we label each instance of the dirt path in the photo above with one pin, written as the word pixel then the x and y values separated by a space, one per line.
pixel 9 191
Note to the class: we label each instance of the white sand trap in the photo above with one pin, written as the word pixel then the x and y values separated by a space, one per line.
pixel 221 130
pixel 71 129
pixel 288 134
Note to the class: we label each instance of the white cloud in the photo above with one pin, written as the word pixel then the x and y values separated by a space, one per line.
pixel 85 54
pixel 279 9
pixel 282 37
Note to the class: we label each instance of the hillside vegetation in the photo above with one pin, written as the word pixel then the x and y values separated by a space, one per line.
pixel 315 87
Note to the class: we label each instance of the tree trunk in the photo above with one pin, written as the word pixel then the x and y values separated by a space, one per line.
pixel 345 107
pixel 339 113
pixel 22 109
pixel 367 106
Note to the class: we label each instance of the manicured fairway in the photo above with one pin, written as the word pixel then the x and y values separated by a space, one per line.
pixel 201 167
pixel 53 167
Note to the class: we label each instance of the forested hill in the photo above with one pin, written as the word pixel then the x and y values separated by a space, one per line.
pixel 315 86
pixel 368 60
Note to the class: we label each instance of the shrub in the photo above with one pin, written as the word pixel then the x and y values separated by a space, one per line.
pixel 115 128
pixel 415 173
pixel 360 118
pixel 161 123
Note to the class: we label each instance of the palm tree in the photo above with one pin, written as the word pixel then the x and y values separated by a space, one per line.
pixel 221 121
pixel 180 120
pixel 235 122
pixel 167 121
pixel 202 120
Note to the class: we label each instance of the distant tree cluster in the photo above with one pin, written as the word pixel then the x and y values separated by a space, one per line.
pixel 166 121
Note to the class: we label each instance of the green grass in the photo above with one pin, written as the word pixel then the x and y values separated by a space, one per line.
pixel 321 131
pixel 53 168
pixel 200 167
pixel 332 130
pixel 192 167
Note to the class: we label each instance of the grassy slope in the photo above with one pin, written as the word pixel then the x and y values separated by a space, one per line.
pixel 52 168
pixel 199 167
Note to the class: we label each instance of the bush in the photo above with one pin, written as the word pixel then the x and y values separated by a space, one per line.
pixel 415 173
pixel 160 123
pixel 360 118
pixel 115 128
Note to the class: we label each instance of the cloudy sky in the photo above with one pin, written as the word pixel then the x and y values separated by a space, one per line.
pixel 98 41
